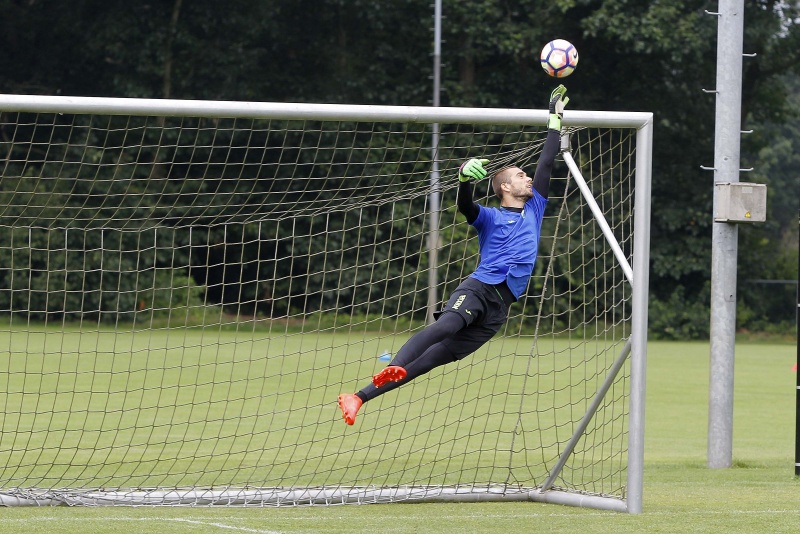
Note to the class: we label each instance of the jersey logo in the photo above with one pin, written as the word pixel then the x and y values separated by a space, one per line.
pixel 459 301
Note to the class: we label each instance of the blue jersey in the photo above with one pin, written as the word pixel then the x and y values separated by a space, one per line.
pixel 509 242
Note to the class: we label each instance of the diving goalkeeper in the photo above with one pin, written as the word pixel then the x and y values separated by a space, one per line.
pixel 508 238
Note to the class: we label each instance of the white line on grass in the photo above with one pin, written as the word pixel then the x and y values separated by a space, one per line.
pixel 193 522
pixel 224 526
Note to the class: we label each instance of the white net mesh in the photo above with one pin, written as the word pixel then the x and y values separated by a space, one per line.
pixel 183 299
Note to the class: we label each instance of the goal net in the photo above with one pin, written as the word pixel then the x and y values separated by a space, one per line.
pixel 186 287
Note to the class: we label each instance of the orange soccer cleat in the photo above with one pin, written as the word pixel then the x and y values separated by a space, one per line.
pixel 392 373
pixel 350 404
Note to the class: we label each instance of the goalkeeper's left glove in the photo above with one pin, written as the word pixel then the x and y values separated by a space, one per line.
pixel 558 100
pixel 472 168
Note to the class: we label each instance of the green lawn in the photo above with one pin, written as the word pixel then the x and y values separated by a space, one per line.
pixel 759 494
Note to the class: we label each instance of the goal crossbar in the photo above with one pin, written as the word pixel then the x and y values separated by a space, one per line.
pixel 318 112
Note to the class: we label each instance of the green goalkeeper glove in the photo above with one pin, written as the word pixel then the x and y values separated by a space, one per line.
pixel 472 169
pixel 558 100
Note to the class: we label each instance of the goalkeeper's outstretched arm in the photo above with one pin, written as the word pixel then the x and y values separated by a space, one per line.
pixel 473 169
pixel 544 168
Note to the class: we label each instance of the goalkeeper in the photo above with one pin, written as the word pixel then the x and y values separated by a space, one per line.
pixel 508 238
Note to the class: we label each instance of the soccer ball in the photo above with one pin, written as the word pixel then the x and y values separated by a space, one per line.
pixel 559 58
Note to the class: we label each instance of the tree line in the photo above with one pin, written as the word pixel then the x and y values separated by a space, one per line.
pixel 635 56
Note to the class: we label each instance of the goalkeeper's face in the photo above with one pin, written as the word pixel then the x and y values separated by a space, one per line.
pixel 519 186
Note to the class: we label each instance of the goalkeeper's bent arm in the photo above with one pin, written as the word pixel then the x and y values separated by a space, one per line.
pixel 465 203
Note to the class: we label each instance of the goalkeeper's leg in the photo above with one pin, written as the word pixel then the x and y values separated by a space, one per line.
pixel 474 313
pixel 450 349
pixel 455 345
pixel 423 352
pixel 420 354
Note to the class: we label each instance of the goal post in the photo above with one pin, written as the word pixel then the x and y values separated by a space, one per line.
pixel 186 287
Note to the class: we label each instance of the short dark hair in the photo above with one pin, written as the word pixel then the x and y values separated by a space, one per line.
pixel 498 179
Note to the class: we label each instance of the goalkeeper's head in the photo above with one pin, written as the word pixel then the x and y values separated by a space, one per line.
pixel 512 183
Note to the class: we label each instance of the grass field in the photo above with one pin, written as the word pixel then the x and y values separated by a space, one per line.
pixel 759 494
pixel 204 408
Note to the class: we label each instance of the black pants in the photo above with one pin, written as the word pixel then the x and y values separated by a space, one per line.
pixel 474 313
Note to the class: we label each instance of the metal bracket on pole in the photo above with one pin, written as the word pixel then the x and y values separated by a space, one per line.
pixel 566 137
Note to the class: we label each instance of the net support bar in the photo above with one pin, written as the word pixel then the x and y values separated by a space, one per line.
pixel 584 424
pixel 596 211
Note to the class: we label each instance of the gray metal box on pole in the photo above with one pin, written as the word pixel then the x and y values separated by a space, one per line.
pixel 740 202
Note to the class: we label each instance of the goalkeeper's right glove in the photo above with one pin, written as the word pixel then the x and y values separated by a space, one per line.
pixel 472 169
pixel 558 100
